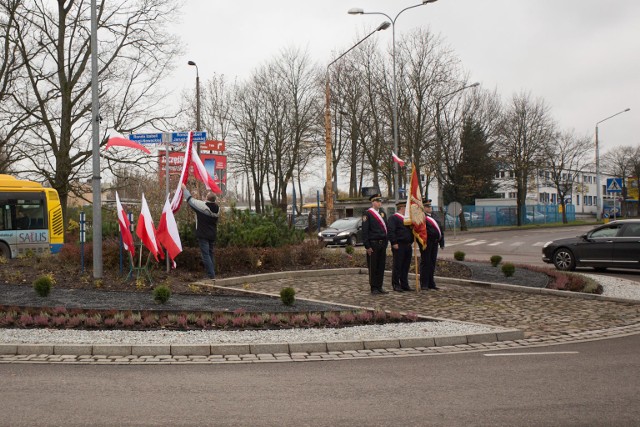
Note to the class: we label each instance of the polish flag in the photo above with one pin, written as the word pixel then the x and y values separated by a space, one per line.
pixel 146 231
pixel 397 159
pixel 167 233
pixel 121 142
pixel 184 175
pixel 201 173
pixel 125 225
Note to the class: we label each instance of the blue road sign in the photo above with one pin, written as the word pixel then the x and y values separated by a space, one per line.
pixel 146 138
pixel 614 185
pixel 178 137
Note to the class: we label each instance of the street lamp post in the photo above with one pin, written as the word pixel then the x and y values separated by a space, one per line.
pixel 599 202
pixel 198 129
pixel 327 126
pixel 439 147
pixel 360 11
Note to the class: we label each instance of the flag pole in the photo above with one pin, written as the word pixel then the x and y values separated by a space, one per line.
pixel 415 255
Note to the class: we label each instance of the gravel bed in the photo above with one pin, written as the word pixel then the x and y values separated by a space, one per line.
pixel 355 333
pixel 617 288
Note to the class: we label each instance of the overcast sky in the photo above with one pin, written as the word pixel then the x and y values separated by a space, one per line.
pixel 581 57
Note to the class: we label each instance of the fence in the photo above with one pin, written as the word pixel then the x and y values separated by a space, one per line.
pixel 486 216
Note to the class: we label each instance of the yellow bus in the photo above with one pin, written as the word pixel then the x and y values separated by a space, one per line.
pixel 30 218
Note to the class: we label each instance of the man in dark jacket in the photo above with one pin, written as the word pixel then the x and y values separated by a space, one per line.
pixel 374 236
pixel 401 238
pixel 207 213
pixel 429 255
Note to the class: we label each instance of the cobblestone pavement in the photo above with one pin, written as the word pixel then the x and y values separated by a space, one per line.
pixel 544 319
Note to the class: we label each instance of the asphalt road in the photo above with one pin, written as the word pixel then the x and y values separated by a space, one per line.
pixel 586 384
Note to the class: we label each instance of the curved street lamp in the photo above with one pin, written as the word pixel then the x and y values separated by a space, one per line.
pixel 360 11
pixel 197 101
pixel 327 126
pixel 599 202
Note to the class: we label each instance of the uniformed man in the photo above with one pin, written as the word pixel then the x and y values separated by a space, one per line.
pixel 374 236
pixel 401 238
pixel 429 255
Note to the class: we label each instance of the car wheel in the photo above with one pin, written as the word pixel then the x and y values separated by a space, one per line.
pixel 5 251
pixel 351 241
pixel 563 260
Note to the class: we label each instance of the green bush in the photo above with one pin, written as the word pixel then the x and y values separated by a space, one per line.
pixel 43 284
pixel 459 255
pixel 495 260
pixel 161 294
pixel 350 249
pixel 248 229
pixel 508 269
pixel 288 296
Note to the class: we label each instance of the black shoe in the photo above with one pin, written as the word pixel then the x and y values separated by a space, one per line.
pixel 398 289
pixel 375 292
pixel 424 288
pixel 382 291
pixel 409 289
pixel 435 288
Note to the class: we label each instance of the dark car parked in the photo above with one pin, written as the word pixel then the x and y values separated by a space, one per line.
pixel 345 231
pixel 616 244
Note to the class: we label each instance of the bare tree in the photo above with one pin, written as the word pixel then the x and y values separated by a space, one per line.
pixel 565 158
pixel 621 162
pixel 135 53
pixel 525 131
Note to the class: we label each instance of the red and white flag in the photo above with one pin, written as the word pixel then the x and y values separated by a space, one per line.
pixel 397 159
pixel 167 233
pixel 125 228
pixel 184 174
pixel 116 141
pixel 146 231
pixel 415 216
pixel 201 173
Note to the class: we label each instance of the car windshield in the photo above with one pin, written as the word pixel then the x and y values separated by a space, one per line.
pixel 344 223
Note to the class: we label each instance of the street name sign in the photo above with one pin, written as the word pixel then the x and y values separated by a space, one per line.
pixel 173 137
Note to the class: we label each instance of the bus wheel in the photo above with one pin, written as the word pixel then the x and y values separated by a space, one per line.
pixel 5 251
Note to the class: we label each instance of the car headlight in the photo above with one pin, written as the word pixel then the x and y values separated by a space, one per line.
pixel 320 235
pixel 547 244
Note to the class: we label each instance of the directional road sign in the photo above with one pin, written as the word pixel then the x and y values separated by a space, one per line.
pixel 146 138
pixel 174 137
pixel 178 137
pixel 614 185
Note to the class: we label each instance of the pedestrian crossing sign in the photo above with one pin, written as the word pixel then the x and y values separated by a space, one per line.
pixel 614 185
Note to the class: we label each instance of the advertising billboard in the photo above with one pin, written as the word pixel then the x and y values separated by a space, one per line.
pixel 215 164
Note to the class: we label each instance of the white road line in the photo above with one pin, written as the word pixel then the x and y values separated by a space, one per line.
pixel 530 354
pixel 538 244
pixel 479 242
pixel 462 242
pixel 495 244
pixel 516 244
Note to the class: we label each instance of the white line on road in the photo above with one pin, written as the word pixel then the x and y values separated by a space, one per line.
pixel 462 242
pixel 479 242
pixel 516 244
pixel 531 354
pixel 494 244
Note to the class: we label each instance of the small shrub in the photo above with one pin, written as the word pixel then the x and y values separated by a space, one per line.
pixel 288 295
pixel 508 269
pixel 42 285
pixel 349 249
pixel 459 255
pixel 162 294
pixel 495 260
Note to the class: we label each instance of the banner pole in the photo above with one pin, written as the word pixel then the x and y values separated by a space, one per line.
pixel 415 255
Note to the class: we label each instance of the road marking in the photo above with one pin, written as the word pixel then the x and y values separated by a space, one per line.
pixel 479 242
pixel 539 244
pixel 494 244
pixel 462 242
pixel 531 354
pixel 516 244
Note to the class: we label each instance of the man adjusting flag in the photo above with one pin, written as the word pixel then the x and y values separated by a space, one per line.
pixel 167 232
pixel 415 213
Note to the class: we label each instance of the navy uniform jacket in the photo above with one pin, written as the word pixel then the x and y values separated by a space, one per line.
pixel 432 232
pixel 372 229
pixel 398 232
